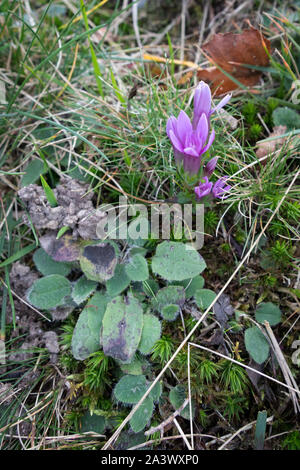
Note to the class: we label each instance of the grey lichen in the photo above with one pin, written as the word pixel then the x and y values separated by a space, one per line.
pixel 75 208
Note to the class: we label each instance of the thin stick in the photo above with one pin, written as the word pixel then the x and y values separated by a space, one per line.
pixel 170 438
pixel 284 368
pixel 4 221
pixel 135 21
pixel 201 33
pixel 182 434
pixel 71 71
pixel 182 38
pixel 190 395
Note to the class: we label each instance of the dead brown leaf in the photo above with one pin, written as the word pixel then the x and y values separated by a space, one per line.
pixel 231 52
pixel 185 78
pixel 154 71
pixel 266 148
pixel 271 146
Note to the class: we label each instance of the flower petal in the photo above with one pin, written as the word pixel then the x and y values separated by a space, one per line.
pixel 191 151
pixel 202 127
pixel 219 191
pixel 210 166
pixel 203 189
pixel 175 142
pixel 210 141
pixel 222 103
pixel 171 124
pixel 184 126
pixel 202 102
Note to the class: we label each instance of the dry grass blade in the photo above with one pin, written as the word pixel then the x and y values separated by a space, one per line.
pixel 182 434
pixel 170 438
pixel 293 387
pixel 71 437
pixel 190 395
pixel 29 416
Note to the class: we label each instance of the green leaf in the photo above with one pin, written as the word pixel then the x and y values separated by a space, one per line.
pixel 33 171
pixel 150 287
pixel 122 328
pixel 74 171
pixel 49 292
pixel 98 262
pixel 168 301
pixel 128 439
pixel 137 268
pixel 138 250
pixel 18 255
pixel 86 334
pixel 169 295
pixel 156 391
pixel 256 344
pixel 64 249
pixel 175 261
pixel 135 367
pixel 177 396
pixel 116 88
pixel 150 333
pixel 97 71
pixel 267 311
pixel 260 430
pixel 284 116
pixel 142 416
pixel 49 193
pixel 62 231
pixel 130 389
pixel 82 289
pixel 46 265
pixel 92 422
pixel 170 312
pixel 204 297
pixel 296 292
pixel 119 282
pixel 192 285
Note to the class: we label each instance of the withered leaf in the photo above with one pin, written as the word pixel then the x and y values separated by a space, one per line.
pixel 266 148
pixel 223 309
pixel 253 376
pixel 122 328
pixel 185 78
pixel 133 91
pixel 231 52
pixel 63 249
pixel 98 262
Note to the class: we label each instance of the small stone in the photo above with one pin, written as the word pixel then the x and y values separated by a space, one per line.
pixel 75 208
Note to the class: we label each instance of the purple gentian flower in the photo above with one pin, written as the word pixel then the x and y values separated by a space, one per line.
pixel 219 189
pixel 210 167
pixel 203 189
pixel 189 142
pixel 202 103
